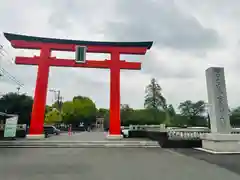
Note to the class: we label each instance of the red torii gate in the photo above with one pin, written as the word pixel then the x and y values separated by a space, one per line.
pixel 44 61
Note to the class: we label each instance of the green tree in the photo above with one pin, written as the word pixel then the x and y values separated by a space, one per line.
pixel 171 110
pixel 106 120
pixel 81 98
pixel 170 115
pixel 154 98
pixel 80 109
pixel 101 112
pixel 68 112
pixel 193 111
pixel 85 110
pixel 48 109
pixel 20 104
pixel 235 117
pixel 145 116
pixel 53 117
pixel 125 113
pixel 235 110
pixel 55 105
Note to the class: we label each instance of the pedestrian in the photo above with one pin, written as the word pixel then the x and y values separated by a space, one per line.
pixel 70 130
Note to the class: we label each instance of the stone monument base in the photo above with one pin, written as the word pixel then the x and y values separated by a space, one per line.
pixel 35 136
pixel 220 143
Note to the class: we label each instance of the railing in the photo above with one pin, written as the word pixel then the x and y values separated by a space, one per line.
pixel 176 133
pixel 186 135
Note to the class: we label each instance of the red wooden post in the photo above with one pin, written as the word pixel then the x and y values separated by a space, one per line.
pixel 115 122
pixel 38 110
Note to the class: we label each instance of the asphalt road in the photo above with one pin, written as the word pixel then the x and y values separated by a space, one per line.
pixel 106 164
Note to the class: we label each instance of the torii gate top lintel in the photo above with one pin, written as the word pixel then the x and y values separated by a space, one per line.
pixel 34 42
pixel 46 45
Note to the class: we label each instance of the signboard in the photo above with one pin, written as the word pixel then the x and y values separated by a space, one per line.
pixel 11 127
pixel 80 54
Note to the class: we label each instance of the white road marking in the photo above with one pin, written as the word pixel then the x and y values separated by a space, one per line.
pixel 175 153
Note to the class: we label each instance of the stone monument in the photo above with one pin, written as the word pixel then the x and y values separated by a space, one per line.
pixel 220 139
pixel 217 100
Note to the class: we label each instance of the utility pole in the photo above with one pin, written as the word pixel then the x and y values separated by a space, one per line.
pixel 58 98
pixel 18 89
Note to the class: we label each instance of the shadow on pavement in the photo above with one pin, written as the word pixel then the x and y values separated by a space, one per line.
pixel 230 162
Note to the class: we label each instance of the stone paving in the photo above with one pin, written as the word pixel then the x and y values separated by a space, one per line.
pixel 79 136
pixel 114 163
pixel 88 136
pixel 80 140
pixel 106 164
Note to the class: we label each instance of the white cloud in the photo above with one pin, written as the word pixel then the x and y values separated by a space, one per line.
pixel 189 36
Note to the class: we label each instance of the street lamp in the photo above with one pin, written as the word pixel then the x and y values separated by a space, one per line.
pixel 56 92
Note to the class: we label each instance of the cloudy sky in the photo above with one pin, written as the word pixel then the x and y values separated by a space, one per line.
pixel 189 36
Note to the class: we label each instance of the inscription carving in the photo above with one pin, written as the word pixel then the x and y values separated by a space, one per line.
pixel 220 95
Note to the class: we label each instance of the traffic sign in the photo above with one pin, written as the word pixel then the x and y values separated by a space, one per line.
pixel 11 127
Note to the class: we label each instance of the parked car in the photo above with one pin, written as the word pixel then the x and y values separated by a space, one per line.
pixel 125 131
pixel 48 129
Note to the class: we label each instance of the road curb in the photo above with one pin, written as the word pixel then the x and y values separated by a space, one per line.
pixel 216 152
pixel 79 144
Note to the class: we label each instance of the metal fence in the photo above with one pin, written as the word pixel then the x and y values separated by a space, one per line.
pixel 177 133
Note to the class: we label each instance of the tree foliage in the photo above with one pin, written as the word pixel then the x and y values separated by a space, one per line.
pixel 48 109
pixel 154 98
pixel 170 114
pixel 80 109
pixel 235 117
pixel 83 109
pixel 53 117
pixel 102 112
pixel 189 108
pixel 126 113
pixel 193 112
pixel 13 103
